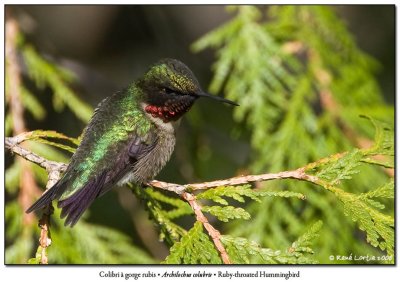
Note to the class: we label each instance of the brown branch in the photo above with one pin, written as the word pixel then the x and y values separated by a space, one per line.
pixel 212 232
pixel 54 173
pixel 45 237
pixel 54 169
pixel 239 180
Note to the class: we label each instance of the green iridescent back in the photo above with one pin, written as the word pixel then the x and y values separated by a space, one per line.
pixel 115 121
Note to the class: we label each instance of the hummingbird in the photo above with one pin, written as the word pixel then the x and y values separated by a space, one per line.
pixel 130 138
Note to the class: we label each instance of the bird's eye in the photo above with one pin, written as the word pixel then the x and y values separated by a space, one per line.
pixel 169 91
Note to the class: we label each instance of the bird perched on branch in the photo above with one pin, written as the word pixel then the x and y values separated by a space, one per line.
pixel 130 138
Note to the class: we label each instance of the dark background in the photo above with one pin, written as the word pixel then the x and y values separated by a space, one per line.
pixel 110 46
pixel 115 44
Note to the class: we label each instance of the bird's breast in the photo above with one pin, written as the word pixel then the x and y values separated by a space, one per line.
pixel 151 163
pixel 153 160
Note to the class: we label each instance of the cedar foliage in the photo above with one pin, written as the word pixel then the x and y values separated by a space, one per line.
pixel 302 83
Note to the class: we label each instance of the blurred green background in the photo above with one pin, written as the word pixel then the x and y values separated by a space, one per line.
pixel 107 47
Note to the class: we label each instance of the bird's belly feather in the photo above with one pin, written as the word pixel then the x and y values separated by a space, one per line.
pixel 150 164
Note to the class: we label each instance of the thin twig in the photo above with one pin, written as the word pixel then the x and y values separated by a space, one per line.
pixel 212 232
pixel 239 180
pixel 54 170
pixel 54 174
pixel 45 238
pixel 12 143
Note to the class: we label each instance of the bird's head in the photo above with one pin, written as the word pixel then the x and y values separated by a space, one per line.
pixel 170 89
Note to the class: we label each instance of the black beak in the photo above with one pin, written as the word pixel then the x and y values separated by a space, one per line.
pixel 204 94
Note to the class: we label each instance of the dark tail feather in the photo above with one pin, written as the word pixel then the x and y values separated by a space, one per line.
pixel 74 206
pixel 52 194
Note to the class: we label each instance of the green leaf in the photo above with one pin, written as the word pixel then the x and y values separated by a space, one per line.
pixel 172 201
pixel 45 73
pixel 304 242
pixel 41 136
pixel 384 138
pixel 38 256
pixel 342 168
pixel 8 124
pixel 31 103
pixel 194 248
pixel 243 251
pixel 387 163
pixel 18 252
pixel 12 177
pixel 90 243
pixel 226 213
pixel 235 192
pixel 13 218
pixel 181 208
pixel 283 194
pixel 378 226
pixel 33 135
pixel 385 191
pixel 169 231
pixel 48 152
